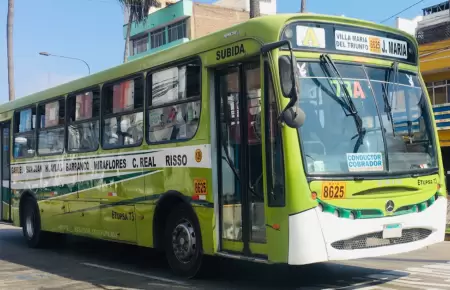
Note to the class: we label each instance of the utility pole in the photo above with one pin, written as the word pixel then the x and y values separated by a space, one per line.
pixel 303 6
pixel 10 54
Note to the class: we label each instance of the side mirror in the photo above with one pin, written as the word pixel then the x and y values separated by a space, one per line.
pixel 294 117
pixel 285 68
pixel 289 74
pixel 291 115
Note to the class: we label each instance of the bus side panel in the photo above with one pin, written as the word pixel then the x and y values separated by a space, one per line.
pixel 144 224
pixel 52 213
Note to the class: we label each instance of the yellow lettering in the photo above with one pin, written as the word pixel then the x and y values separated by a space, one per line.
pixel 310 38
pixel 348 84
pixel 358 91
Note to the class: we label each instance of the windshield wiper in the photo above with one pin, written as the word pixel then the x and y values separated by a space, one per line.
pixel 349 104
pixel 387 105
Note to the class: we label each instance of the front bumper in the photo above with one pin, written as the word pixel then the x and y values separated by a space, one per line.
pixel 315 236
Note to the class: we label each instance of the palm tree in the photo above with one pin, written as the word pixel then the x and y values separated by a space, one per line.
pixel 303 7
pixel 138 12
pixel 254 8
pixel 9 40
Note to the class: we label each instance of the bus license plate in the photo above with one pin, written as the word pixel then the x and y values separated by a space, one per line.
pixel 392 231
pixel 333 190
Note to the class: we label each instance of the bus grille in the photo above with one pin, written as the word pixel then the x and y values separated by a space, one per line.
pixel 375 240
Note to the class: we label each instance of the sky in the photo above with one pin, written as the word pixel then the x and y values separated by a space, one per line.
pixel 92 30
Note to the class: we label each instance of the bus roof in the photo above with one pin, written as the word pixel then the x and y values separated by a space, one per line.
pixel 264 29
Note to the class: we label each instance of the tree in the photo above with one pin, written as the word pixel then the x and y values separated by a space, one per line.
pixel 9 41
pixel 138 12
pixel 254 8
pixel 303 7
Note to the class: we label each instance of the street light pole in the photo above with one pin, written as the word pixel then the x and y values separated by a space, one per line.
pixel 49 54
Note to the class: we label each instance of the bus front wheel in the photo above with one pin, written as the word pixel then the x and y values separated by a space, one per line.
pixel 183 243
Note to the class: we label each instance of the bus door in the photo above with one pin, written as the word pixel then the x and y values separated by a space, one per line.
pixel 5 192
pixel 240 169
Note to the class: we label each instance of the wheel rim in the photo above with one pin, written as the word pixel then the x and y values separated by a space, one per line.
pixel 29 223
pixel 184 241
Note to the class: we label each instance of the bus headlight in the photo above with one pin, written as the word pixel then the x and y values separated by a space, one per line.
pixel 352 216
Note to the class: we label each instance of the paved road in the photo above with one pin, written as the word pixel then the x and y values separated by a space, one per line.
pixel 88 264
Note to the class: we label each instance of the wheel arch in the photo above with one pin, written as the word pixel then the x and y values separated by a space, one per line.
pixel 166 203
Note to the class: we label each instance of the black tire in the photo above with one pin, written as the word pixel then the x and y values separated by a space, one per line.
pixel 187 263
pixel 31 225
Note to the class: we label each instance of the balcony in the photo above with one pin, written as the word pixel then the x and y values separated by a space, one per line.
pixel 175 12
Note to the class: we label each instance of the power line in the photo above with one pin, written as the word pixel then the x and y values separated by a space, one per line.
pixel 389 18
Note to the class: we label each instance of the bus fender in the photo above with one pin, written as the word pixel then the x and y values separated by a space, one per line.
pixel 164 206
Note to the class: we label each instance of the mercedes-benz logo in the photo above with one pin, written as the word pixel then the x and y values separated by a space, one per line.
pixel 389 206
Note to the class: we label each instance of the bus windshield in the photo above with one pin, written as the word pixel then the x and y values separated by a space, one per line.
pixel 396 134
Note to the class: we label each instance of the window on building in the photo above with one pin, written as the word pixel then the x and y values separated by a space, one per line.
pixel 440 95
pixel 177 30
pixel 140 45
pixel 439 92
pixel 24 132
pixel 174 111
pixel 123 104
pixel 158 38
pixel 83 121
pixel 51 131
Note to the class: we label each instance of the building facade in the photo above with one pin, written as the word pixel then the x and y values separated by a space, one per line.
pixel 178 21
pixel 433 36
pixel 432 31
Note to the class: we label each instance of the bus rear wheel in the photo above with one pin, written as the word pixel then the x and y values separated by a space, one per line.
pixel 183 243
pixel 31 223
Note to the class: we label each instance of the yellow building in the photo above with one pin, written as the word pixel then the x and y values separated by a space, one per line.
pixel 433 35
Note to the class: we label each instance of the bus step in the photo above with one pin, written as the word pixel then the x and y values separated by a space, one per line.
pixel 241 257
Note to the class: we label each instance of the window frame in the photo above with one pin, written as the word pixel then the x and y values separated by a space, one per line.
pixel 154 36
pixel 104 116
pixel 38 124
pixel 68 123
pixel 175 27
pixel 32 132
pixel 149 91
pixel 270 182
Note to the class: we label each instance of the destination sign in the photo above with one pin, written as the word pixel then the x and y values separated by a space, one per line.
pixel 350 40
pixel 358 42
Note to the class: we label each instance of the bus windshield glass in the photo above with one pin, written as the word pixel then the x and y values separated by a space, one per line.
pixel 396 135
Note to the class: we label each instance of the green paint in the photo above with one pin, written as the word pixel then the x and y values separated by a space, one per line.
pixel 159 48
pixel 175 12
pixel 376 213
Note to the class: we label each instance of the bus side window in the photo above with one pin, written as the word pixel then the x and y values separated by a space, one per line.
pixel 174 103
pixel 274 146
pixel 24 133
pixel 123 116
pixel 83 121
pixel 51 127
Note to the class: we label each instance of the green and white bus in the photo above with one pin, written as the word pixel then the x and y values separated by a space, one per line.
pixel 289 139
